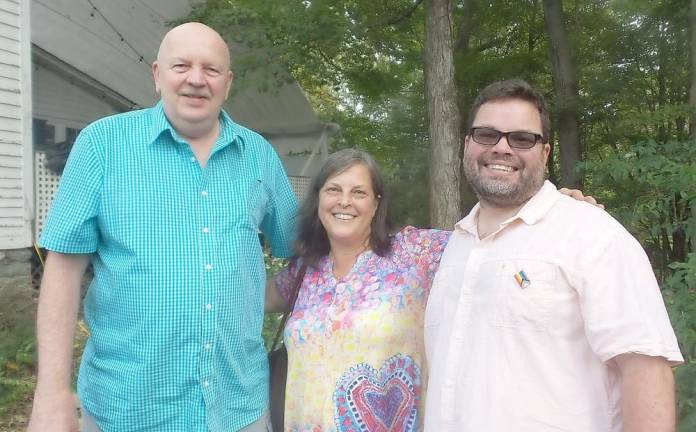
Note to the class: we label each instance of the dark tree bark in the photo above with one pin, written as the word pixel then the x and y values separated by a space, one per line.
pixel 550 166
pixel 443 116
pixel 692 93
pixel 462 48
pixel 464 33
pixel 565 83
pixel 692 70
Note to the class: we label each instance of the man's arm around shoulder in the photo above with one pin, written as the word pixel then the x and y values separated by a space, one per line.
pixel 647 392
pixel 54 406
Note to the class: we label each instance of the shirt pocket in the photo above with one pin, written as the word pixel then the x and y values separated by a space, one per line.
pixel 243 203
pixel 516 293
pixel 257 202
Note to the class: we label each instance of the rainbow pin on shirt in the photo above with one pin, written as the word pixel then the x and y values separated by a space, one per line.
pixel 522 279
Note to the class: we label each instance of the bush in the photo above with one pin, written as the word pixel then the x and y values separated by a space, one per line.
pixel 651 188
pixel 272 320
pixel 680 294
pixel 17 368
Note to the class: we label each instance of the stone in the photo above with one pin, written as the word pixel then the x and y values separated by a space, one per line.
pixel 19 255
pixel 10 269
pixel 18 306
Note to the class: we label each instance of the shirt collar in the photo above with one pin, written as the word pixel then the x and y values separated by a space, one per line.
pixel 229 130
pixel 531 213
pixel 468 224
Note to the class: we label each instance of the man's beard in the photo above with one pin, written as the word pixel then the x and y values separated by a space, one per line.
pixel 500 192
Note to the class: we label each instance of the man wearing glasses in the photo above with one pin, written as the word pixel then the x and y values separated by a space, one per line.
pixel 545 314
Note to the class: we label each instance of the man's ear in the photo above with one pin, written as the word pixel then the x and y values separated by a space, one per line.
pixel 155 76
pixel 462 146
pixel 547 151
pixel 229 84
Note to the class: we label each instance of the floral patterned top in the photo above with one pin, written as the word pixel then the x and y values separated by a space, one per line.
pixel 355 345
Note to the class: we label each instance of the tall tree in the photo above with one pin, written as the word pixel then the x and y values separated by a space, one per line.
pixel 565 83
pixel 692 96
pixel 443 115
pixel 692 69
pixel 461 47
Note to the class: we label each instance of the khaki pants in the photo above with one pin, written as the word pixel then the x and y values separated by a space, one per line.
pixel 261 425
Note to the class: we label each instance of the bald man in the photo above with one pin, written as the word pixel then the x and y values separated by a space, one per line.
pixel 166 203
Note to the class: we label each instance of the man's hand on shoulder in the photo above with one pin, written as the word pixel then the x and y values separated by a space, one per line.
pixel 55 412
pixel 578 195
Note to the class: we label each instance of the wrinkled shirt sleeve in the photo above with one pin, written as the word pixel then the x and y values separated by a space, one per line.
pixel 72 223
pixel 279 222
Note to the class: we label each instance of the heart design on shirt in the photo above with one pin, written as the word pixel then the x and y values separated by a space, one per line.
pixel 383 400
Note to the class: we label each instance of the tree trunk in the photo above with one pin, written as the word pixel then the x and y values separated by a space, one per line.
pixel 464 33
pixel 565 84
pixel 692 98
pixel 692 69
pixel 443 116
pixel 465 99
pixel 550 163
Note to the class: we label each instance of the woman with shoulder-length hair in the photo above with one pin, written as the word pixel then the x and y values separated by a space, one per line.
pixel 355 338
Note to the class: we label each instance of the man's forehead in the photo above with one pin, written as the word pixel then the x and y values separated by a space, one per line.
pixel 501 103
pixel 510 110
pixel 193 39
pixel 218 61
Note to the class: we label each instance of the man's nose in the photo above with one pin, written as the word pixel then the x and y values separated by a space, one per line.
pixel 502 146
pixel 196 77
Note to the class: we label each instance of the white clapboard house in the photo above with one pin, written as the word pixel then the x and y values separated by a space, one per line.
pixel 65 63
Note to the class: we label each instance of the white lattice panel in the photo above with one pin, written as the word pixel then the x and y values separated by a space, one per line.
pixel 46 187
pixel 300 185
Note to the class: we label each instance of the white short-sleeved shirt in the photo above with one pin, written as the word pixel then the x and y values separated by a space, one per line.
pixel 520 326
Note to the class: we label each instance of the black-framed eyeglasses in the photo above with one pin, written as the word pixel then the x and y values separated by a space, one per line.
pixel 516 139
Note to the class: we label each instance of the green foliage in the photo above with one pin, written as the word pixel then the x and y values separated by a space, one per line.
pixel 686 391
pixel 360 63
pixel 271 320
pixel 17 352
pixel 680 292
pixel 651 188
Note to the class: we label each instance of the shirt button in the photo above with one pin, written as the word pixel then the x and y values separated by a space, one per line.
pixel 208 266
pixel 193 159
pixel 206 383
pixel 204 193
pixel 209 306
pixel 206 230
pixel 208 346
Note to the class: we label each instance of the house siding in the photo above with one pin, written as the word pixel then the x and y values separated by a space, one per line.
pixel 65 102
pixel 16 175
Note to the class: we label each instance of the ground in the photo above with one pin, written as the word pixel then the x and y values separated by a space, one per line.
pixel 18 351
pixel 17 312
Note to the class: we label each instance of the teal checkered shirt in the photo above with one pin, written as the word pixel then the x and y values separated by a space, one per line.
pixel 175 309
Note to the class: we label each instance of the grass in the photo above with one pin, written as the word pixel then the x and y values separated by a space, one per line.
pixel 17 378
pixel 18 373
